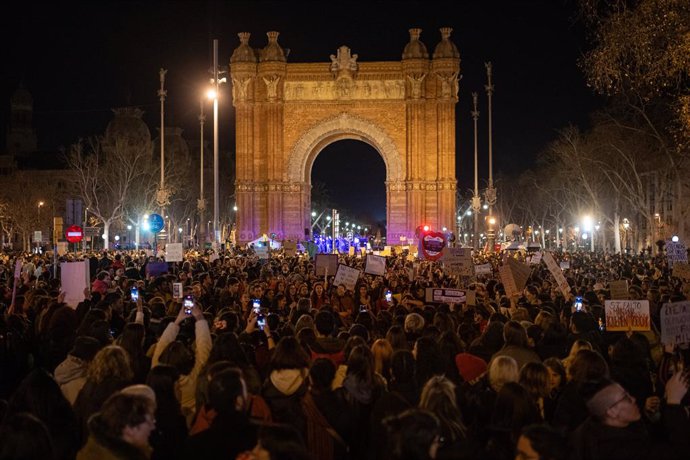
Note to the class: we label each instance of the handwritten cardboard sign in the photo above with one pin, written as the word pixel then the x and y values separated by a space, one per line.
pixel 174 252
pixel 325 263
pixel 375 265
pixel 483 269
pixel 458 261
pixel 676 252
pixel 627 315
pixel 675 323
pixel 619 289
pixel 346 276
pixel 536 258
pixel 557 274
pixel 439 295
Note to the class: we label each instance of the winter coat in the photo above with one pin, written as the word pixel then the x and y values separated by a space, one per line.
pixel 595 441
pixel 101 446
pixel 283 391
pixel 229 435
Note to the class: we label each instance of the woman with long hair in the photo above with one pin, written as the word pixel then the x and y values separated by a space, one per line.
pixel 361 389
pixel 534 377
pixel 382 351
pixel 132 341
pixel 514 410
pixel 438 397
pixel 109 372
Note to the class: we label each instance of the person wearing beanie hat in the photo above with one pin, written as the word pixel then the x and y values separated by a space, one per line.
pixel 71 373
pixel 470 367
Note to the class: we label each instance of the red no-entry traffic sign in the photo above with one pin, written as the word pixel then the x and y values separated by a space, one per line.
pixel 74 234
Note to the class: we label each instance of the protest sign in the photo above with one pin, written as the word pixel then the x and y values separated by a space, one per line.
pixel 290 248
pixel 438 295
pixel 174 252
pixel 386 251
pixel 681 270
pixel 471 298
pixel 483 269
pixel 514 276
pixel 351 251
pixel 325 264
pixel 627 315
pixel 62 248
pixel 74 279
pixel 177 290
pixel 565 265
pixel 347 276
pixel 431 245
pixel 557 274
pixel 536 258
pixel 375 265
pixel 261 252
pixel 675 323
pixel 619 290
pixel 676 252
pixel 458 261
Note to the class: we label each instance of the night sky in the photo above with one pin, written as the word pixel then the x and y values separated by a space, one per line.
pixel 79 60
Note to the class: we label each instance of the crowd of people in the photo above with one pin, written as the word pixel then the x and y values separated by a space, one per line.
pixel 263 359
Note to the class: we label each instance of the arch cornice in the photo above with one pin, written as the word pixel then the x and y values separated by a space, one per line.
pixel 342 126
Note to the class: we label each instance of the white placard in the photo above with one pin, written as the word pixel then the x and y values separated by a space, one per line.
pixel 440 295
pixel 174 252
pixel 627 315
pixel 458 261
pixel 177 290
pixel 557 273
pixel 261 252
pixel 565 265
pixel 347 276
pixel 74 279
pixel 483 269
pixel 536 258
pixel 676 252
pixel 675 323
pixel 375 265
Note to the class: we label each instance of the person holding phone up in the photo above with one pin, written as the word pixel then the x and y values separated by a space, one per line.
pixel 169 350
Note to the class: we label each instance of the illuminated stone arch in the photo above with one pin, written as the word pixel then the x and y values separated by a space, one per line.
pixel 286 114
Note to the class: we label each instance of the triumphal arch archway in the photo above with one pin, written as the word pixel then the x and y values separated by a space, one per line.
pixel 286 113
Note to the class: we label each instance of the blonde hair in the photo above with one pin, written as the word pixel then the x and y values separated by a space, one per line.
pixel 438 396
pixel 503 369
pixel 383 352
pixel 577 346
pixel 111 361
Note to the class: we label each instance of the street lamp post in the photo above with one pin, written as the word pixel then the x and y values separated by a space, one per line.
pixel 216 84
pixel 162 197
pixel 490 190
pixel 626 226
pixel 476 200
pixel 201 202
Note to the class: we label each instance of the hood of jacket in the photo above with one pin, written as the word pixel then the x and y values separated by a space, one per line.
pixel 360 391
pixel 288 381
pixel 70 369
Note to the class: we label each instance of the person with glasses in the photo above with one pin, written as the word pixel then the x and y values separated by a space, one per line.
pixel 615 429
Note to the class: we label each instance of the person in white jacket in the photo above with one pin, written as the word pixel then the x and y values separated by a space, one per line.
pixel 187 381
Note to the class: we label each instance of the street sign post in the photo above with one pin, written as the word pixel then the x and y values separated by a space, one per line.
pixel 156 223
pixel 74 234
